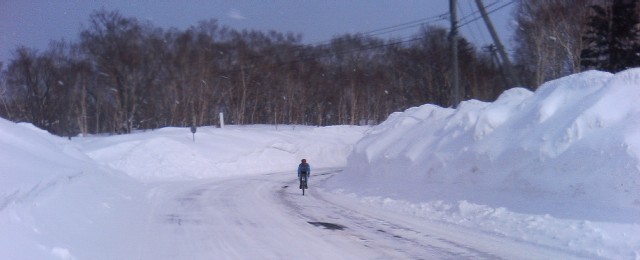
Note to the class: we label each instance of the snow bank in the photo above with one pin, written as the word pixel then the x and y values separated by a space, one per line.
pixel 62 199
pixel 570 150
pixel 172 153
pixel 55 203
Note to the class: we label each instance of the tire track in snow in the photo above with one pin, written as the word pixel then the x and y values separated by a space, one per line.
pixel 416 238
pixel 372 232
pixel 236 218
pixel 266 216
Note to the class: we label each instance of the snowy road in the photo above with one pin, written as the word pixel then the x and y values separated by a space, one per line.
pixel 266 217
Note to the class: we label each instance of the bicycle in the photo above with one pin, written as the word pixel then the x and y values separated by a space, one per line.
pixel 303 183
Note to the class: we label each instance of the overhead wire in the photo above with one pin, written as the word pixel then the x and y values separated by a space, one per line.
pixel 376 32
pixel 395 28
pixel 471 33
pixel 488 12
pixel 477 25
pixel 475 14
pixel 465 20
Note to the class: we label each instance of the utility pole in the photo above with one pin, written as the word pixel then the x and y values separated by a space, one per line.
pixel 512 78
pixel 496 61
pixel 453 38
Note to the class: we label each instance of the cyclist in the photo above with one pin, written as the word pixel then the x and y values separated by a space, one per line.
pixel 304 170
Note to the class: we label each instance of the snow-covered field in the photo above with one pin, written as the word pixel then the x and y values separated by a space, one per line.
pixel 548 174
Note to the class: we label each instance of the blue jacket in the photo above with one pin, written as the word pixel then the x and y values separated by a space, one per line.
pixel 304 168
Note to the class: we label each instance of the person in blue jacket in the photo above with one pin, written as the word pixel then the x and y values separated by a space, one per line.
pixel 304 170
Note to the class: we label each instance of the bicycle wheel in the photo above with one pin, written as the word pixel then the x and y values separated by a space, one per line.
pixel 303 184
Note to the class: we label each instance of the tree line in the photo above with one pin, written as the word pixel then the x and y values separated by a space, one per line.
pixel 123 74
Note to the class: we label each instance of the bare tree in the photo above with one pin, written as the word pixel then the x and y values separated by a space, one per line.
pixel 116 45
pixel 549 37
pixel 125 75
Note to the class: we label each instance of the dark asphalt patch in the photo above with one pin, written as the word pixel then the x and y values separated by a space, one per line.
pixel 331 226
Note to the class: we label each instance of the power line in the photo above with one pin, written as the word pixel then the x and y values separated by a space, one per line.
pixel 407 25
pixel 488 12
pixel 477 25
pixel 420 22
pixel 410 24
pixel 476 13
pixel 389 29
pixel 395 28
pixel 474 16
pixel 472 33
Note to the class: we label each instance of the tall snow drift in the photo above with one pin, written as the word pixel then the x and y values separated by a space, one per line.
pixel 54 197
pixel 571 149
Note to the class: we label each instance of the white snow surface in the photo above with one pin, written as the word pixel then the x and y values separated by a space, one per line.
pixel 556 171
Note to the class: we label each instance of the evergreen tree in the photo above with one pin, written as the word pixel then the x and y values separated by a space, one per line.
pixel 613 39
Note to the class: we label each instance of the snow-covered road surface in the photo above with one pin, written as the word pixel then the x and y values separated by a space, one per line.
pixel 267 217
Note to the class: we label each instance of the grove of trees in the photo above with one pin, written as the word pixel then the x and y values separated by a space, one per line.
pixel 613 37
pixel 555 38
pixel 124 75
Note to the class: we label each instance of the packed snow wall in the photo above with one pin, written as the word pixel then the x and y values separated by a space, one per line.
pixel 569 149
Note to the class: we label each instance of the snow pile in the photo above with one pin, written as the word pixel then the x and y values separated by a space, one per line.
pixel 53 197
pixel 172 153
pixel 570 150
pixel 62 199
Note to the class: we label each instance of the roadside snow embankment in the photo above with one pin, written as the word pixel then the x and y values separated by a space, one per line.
pixel 62 199
pixel 570 150
pixel 172 154
pixel 56 203
pixel 32 160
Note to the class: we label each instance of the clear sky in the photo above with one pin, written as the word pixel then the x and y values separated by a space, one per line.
pixel 34 23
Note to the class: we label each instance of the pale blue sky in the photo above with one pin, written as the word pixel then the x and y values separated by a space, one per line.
pixel 34 23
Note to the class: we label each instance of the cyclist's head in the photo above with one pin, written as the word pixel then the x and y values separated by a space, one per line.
pixel 304 160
